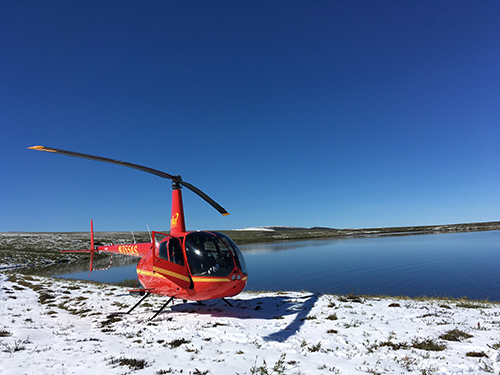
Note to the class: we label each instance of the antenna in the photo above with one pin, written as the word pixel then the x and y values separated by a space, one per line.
pixel 133 237
pixel 149 231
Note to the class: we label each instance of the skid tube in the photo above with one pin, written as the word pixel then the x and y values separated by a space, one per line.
pixel 165 305
pixel 142 300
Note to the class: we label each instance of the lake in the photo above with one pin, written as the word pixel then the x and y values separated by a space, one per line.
pixel 454 265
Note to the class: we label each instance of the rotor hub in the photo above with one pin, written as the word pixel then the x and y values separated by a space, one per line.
pixel 176 182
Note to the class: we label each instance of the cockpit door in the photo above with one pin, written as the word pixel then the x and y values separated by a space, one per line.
pixel 168 260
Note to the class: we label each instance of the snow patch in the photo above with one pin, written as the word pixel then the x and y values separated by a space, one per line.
pixel 270 228
pixel 52 326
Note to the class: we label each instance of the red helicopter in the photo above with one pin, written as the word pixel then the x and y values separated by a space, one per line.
pixel 194 266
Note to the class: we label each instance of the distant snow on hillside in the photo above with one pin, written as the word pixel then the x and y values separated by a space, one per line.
pixel 263 229
pixel 271 228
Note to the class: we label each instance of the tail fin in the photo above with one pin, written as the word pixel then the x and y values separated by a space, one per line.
pixel 92 250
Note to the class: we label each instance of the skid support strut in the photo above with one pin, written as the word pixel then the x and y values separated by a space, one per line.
pixel 138 303
pixel 159 311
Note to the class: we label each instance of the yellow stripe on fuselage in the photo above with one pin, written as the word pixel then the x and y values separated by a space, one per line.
pixel 208 279
pixel 149 273
pixel 198 279
pixel 171 273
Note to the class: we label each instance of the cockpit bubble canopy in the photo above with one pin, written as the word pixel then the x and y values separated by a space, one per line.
pixel 213 254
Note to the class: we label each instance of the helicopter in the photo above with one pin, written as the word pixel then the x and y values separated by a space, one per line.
pixel 187 265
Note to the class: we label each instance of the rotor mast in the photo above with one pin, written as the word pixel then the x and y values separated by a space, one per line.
pixel 177 222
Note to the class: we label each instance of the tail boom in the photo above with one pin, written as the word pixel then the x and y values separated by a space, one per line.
pixel 136 249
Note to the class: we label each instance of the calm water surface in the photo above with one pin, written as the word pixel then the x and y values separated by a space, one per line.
pixel 457 265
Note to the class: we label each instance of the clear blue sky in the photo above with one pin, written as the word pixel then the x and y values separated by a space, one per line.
pixel 302 113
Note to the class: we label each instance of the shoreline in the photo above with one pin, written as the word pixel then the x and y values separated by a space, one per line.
pixel 39 252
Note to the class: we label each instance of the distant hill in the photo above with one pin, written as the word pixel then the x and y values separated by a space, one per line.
pixel 287 233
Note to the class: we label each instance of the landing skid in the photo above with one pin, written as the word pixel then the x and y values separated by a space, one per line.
pixel 165 305
pixel 142 300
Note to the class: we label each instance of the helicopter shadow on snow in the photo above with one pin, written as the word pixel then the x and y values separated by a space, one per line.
pixel 273 307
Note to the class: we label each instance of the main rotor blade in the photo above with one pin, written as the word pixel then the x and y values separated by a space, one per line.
pixel 106 160
pixel 209 200
pixel 156 172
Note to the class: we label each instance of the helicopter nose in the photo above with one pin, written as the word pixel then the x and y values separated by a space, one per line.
pixel 238 277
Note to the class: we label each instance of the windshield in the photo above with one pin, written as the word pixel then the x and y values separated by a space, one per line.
pixel 208 255
pixel 238 255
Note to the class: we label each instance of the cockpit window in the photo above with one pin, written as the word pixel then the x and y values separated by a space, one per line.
pixel 171 250
pixel 238 256
pixel 163 253
pixel 207 255
pixel 175 251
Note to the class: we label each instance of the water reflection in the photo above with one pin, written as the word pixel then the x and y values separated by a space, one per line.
pixel 282 246
pixel 457 265
pixel 122 268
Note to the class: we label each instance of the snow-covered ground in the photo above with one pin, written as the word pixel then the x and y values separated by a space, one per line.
pixel 52 326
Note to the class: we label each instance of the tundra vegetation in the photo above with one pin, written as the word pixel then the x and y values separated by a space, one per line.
pixel 263 333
